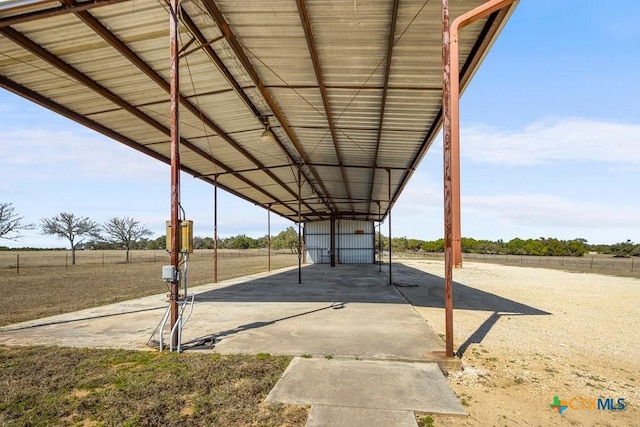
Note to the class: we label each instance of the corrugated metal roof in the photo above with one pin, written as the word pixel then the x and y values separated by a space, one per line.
pixel 316 71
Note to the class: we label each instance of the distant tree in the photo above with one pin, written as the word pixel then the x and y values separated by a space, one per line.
pixel 623 249
pixel 433 246
pixel 262 242
pixel 68 226
pixel 414 244
pixel 577 247
pixel 287 239
pixel 535 248
pixel 11 222
pixel 125 232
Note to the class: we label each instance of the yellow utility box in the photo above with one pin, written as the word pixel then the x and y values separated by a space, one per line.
pixel 185 236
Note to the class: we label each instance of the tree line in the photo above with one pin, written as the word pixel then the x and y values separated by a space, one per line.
pixel 285 240
pixel 127 233
pixel 534 247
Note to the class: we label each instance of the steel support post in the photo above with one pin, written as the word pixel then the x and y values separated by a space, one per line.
pixel 389 218
pixel 215 229
pixel 269 237
pixel 448 196
pixel 332 243
pixel 379 241
pixel 175 162
pixel 451 145
pixel 299 226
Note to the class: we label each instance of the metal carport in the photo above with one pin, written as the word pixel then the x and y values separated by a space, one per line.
pixel 351 90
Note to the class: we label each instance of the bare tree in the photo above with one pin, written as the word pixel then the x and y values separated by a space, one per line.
pixel 68 226
pixel 125 231
pixel 11 222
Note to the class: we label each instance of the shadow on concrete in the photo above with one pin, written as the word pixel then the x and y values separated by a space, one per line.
pixel 208 341
pixel 423 289
pixel 320 283
pixel 29 325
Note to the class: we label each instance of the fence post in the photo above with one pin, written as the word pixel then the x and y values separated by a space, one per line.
pixel 18 264
pixel 66 261
pixel 592 262
pixel 103 258
pixel 632 263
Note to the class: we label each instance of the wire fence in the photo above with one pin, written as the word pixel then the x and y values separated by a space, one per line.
pixel 590 262
pixel 27 260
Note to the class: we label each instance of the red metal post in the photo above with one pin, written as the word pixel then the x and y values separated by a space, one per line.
pixel 269 237
pixel 389 218
pixel 299 226
pixel 175 161
pixel 447 159
pixel 451 143
pixel 215 229
pixel 462 21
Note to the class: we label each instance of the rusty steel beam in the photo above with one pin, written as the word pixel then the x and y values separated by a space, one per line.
pixel 224 27
pixel 357 88
pixel 34 97
pixel 47 56
pixel 385 89
pixel 126 52
pixel 208 50
pixel 56 11
pixel 317 68
pixel 175 165
pixel 47 103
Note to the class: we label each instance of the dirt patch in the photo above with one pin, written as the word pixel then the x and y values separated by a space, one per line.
pixel 528 335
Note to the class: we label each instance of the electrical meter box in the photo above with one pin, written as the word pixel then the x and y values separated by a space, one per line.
pixel 185 237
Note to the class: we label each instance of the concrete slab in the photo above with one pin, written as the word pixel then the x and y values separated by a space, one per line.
pixel 337 416
pixel 346 311
pixel 366 384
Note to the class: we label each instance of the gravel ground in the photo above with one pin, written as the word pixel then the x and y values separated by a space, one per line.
pixel 527 335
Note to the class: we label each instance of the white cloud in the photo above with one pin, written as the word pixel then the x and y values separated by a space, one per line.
pixel 57 154
pixel 572 139
pixel 542 210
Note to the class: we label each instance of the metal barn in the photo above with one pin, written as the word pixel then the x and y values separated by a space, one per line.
pixel 351 242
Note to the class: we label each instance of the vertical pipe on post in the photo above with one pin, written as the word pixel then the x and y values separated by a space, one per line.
pixel 215 229
pixel 389 217
pixel 175 160
pixel 299 226
pixel 451 151
pixel 447 159
pixel 379 240
pixel 452 96
pixel 332 243
pixel 269 237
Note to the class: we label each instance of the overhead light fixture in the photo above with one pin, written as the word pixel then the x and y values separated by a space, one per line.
pixel 267 135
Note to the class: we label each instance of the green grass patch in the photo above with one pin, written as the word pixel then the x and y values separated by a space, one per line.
pixel 44 386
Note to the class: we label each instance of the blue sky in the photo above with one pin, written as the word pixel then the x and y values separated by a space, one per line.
pixel 550 129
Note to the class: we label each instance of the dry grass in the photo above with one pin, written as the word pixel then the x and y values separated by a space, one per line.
pixel 45 287
pixel 43 386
